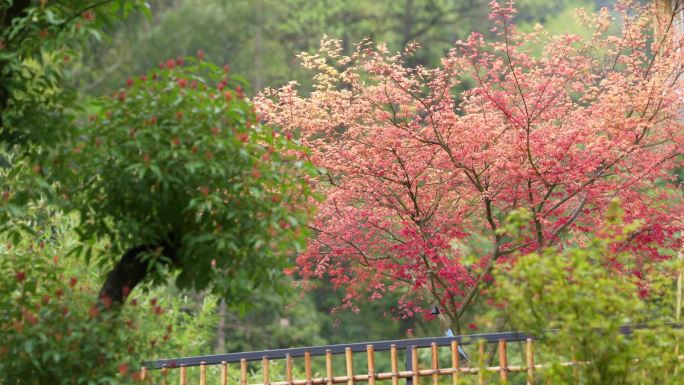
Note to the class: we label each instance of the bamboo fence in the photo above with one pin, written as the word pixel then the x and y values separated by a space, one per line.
pixel 480 370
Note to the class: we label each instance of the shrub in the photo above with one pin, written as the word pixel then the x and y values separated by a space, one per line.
pixel 586 293
pixel 52 331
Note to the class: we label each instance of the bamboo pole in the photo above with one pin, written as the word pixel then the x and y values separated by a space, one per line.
pixel 265 371
pixel 288 368
pixel 644 375
pixel 680 278
pixel 394 364
pixel 183 377
pixel 575 367
pixel 203 373
pixel 224 373
pixel 307 366
pixel 164 374
pixel 328 367
pixel 454 363
pixel 481 362
pixel 243 371
pixel 350 365
pixel 529 352
pixel 143 374
pixel 678 306
pixel 414 365
pixel 371 364
pixel 435 363
pixel 503 362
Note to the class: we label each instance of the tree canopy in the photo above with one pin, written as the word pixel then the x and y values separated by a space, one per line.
pixel 423 181
pixel 174 170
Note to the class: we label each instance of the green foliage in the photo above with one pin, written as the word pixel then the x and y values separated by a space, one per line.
pixel 178 158
pixel 514 222
pixel 51 332
pixel 586 293
pixel 37 41
pixel 19 189
pixel 261 39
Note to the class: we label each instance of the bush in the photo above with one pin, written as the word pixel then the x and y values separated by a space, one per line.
pixel 53 332
pixel 585 293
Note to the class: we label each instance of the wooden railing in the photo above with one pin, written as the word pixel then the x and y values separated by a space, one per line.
pixel 159 371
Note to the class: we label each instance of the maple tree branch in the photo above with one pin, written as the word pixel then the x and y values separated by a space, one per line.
pixel 473 292
pixel 573 217
pixel 452 315
pixel 597 174
pixel 383 273
pixel 630 238
pixel 363 254
pixel 490 264
pixel 661 43
pixel 540 206
pixel 491 98
pixel 561 57
pixel 510 66
pixel 537 224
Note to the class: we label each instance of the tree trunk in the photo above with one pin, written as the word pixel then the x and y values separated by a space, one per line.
pixel 129 272
pixel 258 49
pixel 221 328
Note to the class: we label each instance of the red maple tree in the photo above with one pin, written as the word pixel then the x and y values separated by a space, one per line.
pixel 420 168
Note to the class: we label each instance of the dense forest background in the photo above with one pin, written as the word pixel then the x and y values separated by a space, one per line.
pixel 260 40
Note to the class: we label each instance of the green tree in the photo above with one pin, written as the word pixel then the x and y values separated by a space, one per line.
pixel 175 172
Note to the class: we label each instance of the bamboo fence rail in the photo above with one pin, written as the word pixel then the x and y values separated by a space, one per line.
pixel 414 370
